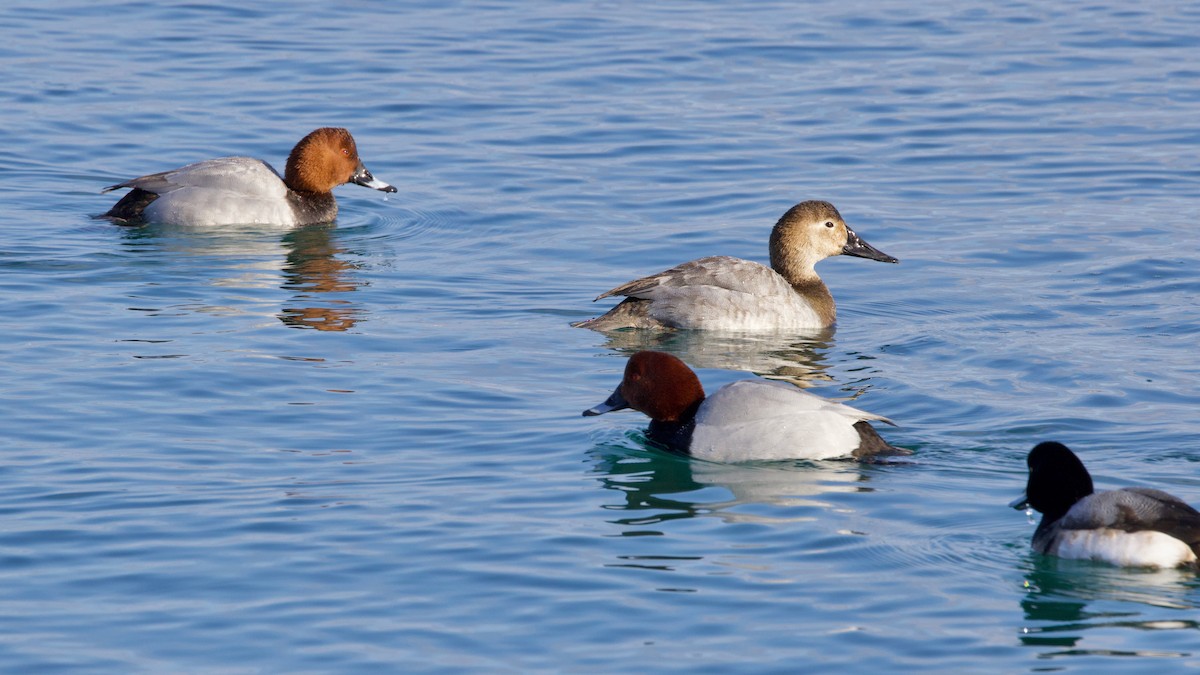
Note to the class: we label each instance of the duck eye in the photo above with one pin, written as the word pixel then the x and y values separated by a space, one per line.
pixel 829 223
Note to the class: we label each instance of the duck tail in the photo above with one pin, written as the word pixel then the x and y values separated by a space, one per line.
pixel 871 444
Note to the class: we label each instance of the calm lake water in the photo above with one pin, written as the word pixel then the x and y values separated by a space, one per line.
pixel 358 447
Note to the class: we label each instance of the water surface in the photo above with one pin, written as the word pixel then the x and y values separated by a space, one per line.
pixel 358 448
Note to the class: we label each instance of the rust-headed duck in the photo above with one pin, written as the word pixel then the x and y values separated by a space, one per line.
pixel 243 190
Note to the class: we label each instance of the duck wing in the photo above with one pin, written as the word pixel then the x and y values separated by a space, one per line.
pixel 717 272
pixel 718 293
pixel 1136 509
pixel 230 174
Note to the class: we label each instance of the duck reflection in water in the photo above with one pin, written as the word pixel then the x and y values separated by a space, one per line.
pixel 659 486
pixel 1058 592
pixel 313 267
pixel 799 359
pixel 302 261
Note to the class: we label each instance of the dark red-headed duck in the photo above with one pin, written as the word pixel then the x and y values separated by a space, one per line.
pixel 744 420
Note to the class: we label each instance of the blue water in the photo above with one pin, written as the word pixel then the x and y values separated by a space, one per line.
pixel 358 447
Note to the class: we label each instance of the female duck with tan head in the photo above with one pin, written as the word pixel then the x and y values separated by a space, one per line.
pixel 724 293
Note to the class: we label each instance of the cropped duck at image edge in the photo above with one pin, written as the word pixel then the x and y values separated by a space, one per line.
pixel 244 190
pixel 1130 527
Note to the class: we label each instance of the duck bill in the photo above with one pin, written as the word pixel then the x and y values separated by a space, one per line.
pixel 364 178
pixel 858 248
pixel 614 402
pixel 1020 503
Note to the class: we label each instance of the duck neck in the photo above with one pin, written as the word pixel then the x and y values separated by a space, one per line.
pixel 675 435
pixel 818 297
pixel 313 207
pixel 789 265
pixel 1051 515
pixel 789 261
pixel 1044 533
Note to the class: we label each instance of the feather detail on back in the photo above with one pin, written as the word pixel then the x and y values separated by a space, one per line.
pixel 714 293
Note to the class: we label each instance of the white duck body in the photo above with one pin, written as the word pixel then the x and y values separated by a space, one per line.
pixel 1115 526
pixel 219 191
pixel 764 420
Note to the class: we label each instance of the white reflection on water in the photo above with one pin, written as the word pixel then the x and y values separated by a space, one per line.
pixel 1071 605
pixel 672 487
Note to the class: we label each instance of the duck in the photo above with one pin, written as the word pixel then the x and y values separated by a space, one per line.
pixel 244 190
pixel 746 420
pixel 726 293
pixel 1129 527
